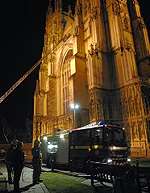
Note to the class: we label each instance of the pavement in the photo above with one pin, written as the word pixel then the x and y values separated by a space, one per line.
pixel 26 178
pixel 26 185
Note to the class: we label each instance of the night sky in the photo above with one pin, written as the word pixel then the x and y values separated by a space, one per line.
pixel 21 41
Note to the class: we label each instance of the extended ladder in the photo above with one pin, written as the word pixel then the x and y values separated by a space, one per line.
pixel 14 86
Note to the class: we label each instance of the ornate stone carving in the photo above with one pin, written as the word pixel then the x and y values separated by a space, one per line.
pixel 76 30
pixel 66 36
pixel 94 12
pixel 63 22
pixel 141 23
pixel 126 23
pixel 85 8
pixel 94 50
pixel 116 8
pixel 78 10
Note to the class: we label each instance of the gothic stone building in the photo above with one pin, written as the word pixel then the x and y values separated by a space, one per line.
pixel 96 53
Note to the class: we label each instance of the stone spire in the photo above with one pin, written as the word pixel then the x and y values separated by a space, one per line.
pixel 141 39
pixel 78 27
pixel 58 5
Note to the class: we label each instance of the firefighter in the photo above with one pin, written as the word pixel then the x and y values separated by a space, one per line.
pixel 9 160
pixel 36 162
pixel 18 164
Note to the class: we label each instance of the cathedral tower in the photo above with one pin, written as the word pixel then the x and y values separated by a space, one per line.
pixel 96 53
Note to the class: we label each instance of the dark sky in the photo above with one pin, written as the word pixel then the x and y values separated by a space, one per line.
pixel 21 41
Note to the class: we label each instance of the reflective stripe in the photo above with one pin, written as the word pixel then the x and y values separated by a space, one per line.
pixel 86 147
pixel 117 148
pixel 79 147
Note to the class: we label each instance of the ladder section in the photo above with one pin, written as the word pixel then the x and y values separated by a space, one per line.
pixel 14 86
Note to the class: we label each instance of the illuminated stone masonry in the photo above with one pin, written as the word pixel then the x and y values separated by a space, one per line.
pixel 96 53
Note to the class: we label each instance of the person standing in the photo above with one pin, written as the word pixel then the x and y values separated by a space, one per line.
pixel 9 161
pixel 18 164
pixel 36 162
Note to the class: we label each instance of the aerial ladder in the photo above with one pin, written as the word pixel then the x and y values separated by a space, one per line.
pixel 14 86
pixel 19 81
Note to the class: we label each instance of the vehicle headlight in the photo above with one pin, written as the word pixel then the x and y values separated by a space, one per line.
pixel 62 136
pixel 109 160
pixel 50 146
pixel 95 146
pixel 128 159
pixel 45 138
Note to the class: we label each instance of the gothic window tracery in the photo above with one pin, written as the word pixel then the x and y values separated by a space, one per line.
pixel 65 76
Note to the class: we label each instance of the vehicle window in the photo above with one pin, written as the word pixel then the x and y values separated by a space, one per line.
pixel 80 137
pixel 97 135
pixel 114 136
pixel 108 136
pixel 118 137
pixel 52 147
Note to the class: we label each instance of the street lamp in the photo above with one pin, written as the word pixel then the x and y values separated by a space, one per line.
pixel 74 107
pixel 45 138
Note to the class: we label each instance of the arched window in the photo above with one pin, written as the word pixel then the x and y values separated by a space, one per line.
pixel 66 73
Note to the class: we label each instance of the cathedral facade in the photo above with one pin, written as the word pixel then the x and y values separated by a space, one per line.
pixel 96 53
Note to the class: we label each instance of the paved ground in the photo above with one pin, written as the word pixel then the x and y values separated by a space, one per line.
pixel 26 178
pixel 25 182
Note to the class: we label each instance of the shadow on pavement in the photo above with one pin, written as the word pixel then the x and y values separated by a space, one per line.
pixel 103 189
pixel 25 188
